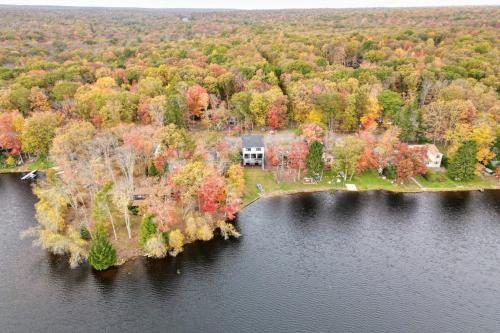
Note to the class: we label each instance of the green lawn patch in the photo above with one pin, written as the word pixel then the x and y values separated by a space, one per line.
pixel 42 163
pixel 369 180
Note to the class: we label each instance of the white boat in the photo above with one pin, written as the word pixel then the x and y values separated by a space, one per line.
pixel 29 176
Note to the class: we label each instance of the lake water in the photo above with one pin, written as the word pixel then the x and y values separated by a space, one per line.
pixel 344 262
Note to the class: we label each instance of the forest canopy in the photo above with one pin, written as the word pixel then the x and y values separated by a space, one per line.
pixel 124 101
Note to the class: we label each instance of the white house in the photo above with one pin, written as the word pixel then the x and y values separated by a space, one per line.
pixel 434 156
pixel 253 150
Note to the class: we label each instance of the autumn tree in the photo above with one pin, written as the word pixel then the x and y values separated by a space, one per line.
pixel 347 153
pixel 277 115
pixel 240 105
pixel 11 124
pixel 443 116
pixel 176 241
pixel 235 181
pixel 70 141
pixel 54 233
pixel 312 132
pixel 150 86
pixel 197 100
pixel 141 140
pixel 103 205
pixel 121 197
pixel 385 147
pixel 211 194
pixel 299 151
pixel 39 101
pixel 410 161
pixel 368 159
pixel 331 105
pixel 187 181
pixel 175 139
pixel 38 132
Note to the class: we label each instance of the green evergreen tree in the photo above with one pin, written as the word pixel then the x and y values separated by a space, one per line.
pixel 152 171
pixel 314 159
pixel 84 232
pixel 102 254
pixel 148 229
pixel 462 165
pixel 408 120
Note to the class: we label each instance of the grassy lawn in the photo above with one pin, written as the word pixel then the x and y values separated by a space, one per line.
pixel 448 184
pixel 366 181
pixel 256 175
pixel 253 176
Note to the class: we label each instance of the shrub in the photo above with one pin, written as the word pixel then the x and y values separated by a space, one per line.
pixel 155 246
pixel 10 162
pixel 102 254
pixel 164 234
pixel 390 171
pixel 148 229
pixel 134 210
pixel 434 177
pixel 176 241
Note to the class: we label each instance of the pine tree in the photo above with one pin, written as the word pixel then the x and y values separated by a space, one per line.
pixel 462 165
pixel 84 233
pixel 314 160
pixel 102 254
pixel 148 229
pixel 152 171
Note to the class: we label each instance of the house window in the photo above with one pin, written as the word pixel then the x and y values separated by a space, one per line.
pixel 259 155
pixel 247 155
pixel 258 149
pixel 253 155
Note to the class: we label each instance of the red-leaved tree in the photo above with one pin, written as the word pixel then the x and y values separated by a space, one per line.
pixel 410 162
pixel 298 155
pixel 368 159
pixel 211 194
pixel 277 114
pixel 197 100
pixel 10 138
pixel 313 132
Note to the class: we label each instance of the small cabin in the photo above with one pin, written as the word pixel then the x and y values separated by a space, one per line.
pixel 434 156
pixel 253 150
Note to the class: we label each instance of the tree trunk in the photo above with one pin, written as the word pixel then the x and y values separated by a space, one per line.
pixel 112 221
pixel 127 223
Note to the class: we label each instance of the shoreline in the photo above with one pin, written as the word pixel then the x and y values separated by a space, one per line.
pixel 322 190
pixel 335 189
pixel 283 193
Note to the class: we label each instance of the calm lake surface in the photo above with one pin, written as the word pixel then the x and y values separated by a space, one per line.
pixel 345 262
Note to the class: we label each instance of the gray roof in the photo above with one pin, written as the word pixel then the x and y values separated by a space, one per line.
pixel 253 141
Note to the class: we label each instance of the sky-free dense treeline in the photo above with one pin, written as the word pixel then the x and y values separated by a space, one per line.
pixel 124 100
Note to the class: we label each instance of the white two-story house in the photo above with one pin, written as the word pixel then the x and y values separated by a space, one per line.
pixel 253 150
pixel 434 156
